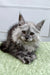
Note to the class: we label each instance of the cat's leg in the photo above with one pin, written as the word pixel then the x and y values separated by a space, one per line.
pixel 26 57
pixel 22 59
pixel 29 58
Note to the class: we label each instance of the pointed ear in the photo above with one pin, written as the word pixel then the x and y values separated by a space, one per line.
pixel 21 20
pixel 40 24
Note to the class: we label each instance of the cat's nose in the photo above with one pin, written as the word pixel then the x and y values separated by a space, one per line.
pixel 26 37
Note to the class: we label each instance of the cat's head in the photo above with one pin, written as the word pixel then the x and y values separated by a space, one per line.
pixel 29 30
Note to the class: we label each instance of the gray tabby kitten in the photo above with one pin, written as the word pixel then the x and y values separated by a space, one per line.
pixel 23 40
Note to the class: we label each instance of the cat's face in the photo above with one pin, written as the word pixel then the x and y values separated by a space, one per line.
pixel 29 31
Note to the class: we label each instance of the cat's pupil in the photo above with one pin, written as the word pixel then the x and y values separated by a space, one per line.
pixel 24 32
pixel 31 33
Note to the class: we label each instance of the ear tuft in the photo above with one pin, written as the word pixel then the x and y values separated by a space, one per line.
pixel 40 24
pixel 20 16
pixel 21 19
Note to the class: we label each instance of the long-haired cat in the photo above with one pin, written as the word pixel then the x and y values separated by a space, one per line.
pixel 23 40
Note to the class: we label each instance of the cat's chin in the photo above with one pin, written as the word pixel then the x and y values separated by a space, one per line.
pixel 26 41
pixel 30 40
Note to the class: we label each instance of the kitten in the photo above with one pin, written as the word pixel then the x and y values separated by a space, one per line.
pixel 23 40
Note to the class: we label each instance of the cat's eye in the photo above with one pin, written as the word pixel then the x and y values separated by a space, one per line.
pixel 24 32
pixel 31 33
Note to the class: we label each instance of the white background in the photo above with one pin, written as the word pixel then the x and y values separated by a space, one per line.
pixel 32 10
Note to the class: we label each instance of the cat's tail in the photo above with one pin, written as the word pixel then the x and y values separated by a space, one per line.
pixel 3 46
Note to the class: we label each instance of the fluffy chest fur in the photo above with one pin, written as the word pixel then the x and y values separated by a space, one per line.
pixel 32 46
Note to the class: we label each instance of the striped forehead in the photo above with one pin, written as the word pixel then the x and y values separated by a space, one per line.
pixel 25 27
pixel 29 25
pixel 33 28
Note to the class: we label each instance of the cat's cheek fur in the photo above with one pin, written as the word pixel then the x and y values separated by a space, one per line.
pixel 22 38
pixel 16 34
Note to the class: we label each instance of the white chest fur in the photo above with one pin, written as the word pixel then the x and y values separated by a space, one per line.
pixel 32 46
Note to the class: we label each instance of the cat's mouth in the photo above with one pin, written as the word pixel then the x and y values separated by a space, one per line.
pixel 26 41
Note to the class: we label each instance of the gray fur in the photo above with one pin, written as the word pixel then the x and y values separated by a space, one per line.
pixel 23 40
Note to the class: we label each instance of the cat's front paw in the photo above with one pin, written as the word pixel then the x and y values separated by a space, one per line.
pixel 28 60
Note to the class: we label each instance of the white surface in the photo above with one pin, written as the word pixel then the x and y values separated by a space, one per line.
pixel 26 3
pixel 3 36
